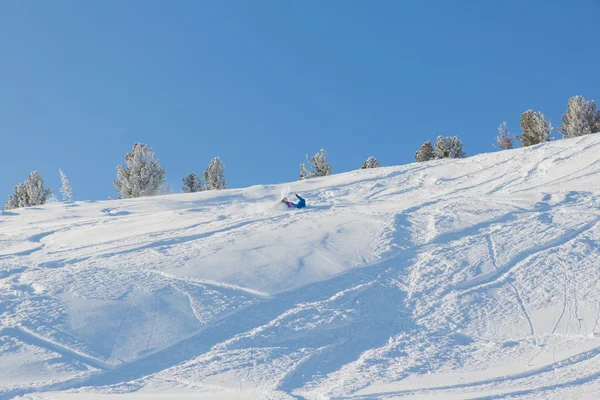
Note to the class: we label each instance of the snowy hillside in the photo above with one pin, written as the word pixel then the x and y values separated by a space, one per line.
pixel 470 278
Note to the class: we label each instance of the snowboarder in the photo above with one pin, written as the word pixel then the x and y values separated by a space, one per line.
pixel 301 202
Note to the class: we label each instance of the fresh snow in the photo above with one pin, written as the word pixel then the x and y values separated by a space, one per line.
pixel 467 278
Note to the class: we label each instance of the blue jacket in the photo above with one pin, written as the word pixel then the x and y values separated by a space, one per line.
pixel 301 202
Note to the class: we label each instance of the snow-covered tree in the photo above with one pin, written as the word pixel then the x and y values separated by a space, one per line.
pixel 34 188
pixel 51 199
pixel 29 193
pixel 581 118
pixel 449 147
pixel 214 176
pixel 12 202
pixel 317 166
pixel 504 140
pixel 192 183
pixel 536 128
pixel 65 190
pixel 142 176
pixel 425 152
pixel 371 162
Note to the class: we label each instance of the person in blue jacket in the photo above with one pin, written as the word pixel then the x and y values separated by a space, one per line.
pixel 301 202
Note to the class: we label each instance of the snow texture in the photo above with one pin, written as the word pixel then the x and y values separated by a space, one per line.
pixel 452 279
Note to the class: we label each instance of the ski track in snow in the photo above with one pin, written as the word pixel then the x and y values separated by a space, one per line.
pixel 451 279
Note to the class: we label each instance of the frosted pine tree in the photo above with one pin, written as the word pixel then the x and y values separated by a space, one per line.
pixel 34 189
pixel 536 128
pixel 581 118
pixel 29 193
pixel 504 140
pixel 65 190
pixel 457 148
pixel 449 147
pixel 425 152
pixel 214 176
pixel 142 176
pixel 442 147
pixel 11 203
pixel 192 183
pixel 371 162
pixel 317 166
pixel 18 199
pixel 51 199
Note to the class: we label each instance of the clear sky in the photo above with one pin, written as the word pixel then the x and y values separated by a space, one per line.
pixel 262 83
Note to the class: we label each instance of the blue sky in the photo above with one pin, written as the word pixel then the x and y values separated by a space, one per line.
pixel 262 83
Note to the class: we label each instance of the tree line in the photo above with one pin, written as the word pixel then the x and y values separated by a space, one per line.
pixel 142 174
pixel 581 118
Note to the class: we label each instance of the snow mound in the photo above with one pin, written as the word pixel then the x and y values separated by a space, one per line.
pixel 462 278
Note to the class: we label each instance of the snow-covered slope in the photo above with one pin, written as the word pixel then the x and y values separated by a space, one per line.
pixel 449 279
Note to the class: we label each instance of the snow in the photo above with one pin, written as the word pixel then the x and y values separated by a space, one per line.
pixel 467 278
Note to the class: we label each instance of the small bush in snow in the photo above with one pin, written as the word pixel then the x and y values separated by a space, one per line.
pixel 192 183
pixel 581 118
pixel 449 147
pixel 215 175
pixel 29 193
pixel 371 162
pixel 142 176
pixel 425 152
pixel 317 166
pixel 536 128
pixel 504 140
